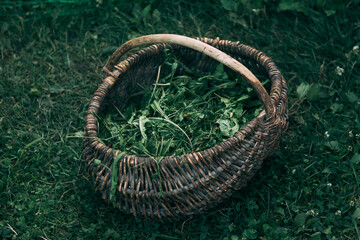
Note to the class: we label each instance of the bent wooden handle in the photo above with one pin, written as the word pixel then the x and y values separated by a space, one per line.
pixel 203 48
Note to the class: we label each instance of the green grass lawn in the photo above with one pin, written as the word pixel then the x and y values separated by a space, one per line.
pixel 51 55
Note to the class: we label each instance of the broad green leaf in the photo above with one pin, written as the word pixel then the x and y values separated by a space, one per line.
pixel 266 228
pixel 356 214
pixel 292 5
pixel 156 15
pixel 226 101
pixel 352 97
pixel 238 111
pixel 326 170
pixel 155 175
pixel 229 5
pixel 56 89
pixel 327 231
pixel 145 13
pixel 35 92
pixel 336 107
pixel 287 5
pixel 281 231
pixel 300 219
pixel 231 227
pixel 156 106
pixel 280 211
pixel 316 236
pixel 226 129
pixel 329 12
pixel 242 98
pixel 302 90
pixel 142 121
pixel 234 237
pixel 250 234
pixel 315 92
pixel 235 128
pixel 355 159
pixel 79 134
pixel 333 145
pixel 220 73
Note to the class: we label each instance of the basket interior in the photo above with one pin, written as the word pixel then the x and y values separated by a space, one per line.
pixel 131 84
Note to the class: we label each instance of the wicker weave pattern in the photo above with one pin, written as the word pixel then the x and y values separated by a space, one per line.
pixel 191 183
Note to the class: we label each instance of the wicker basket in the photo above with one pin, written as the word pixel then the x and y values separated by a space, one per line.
pixel 191 183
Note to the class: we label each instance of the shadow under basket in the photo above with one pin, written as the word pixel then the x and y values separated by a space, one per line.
pixel 191 183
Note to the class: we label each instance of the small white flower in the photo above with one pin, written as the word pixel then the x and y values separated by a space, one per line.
pixel 356 49
pixel 350 148
pixel 352 203
pixel 338 212
pixel 327 135
pixel 351 134
pixel 311 212
pixel 357 135
pixel 293 171
pixel 256 11
pixel 339 71
pixel 329 184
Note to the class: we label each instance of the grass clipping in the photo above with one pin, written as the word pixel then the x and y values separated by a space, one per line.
pixel 180 114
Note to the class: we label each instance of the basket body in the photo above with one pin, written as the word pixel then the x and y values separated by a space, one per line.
pixel 188 184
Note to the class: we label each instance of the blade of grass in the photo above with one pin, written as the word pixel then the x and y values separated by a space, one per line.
pixel 142 121
pixel 177 126
pixel 156 84
pixel 157 107
pixel 29 145
pixel 114 175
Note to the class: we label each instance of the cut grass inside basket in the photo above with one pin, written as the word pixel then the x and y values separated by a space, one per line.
pixel 180 114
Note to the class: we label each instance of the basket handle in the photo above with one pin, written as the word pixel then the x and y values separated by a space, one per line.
pixel 203 48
